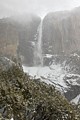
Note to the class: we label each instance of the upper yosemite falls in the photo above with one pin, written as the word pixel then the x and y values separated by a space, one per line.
pixel 38 57
pixel 48 49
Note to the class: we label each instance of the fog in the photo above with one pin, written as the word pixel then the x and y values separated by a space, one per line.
pixel 40 7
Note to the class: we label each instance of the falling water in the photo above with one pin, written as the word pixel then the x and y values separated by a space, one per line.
pixel 38 57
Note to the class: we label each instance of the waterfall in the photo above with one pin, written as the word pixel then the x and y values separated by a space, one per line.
pixel 38 57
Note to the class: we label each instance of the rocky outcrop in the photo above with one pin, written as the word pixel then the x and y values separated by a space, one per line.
pixel 61 32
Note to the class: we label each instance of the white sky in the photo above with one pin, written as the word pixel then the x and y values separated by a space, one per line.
pixel 40 7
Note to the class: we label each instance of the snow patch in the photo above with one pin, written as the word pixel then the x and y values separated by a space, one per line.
pixel 75 54
pixel 48 55
pixel 50 75
pixel 9 60
pixel 76 99
pixel 73 79
pixel 11 119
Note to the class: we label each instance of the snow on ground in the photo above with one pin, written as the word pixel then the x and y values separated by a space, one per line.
pixel 75 54
pixel 48 55
pixel 51 75
pixel 76 100
pixel 12 119
pixel 36 71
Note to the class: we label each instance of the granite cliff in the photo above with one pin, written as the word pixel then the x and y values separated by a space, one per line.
pixel 61 32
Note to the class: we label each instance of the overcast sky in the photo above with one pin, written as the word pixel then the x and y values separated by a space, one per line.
pixel 40 7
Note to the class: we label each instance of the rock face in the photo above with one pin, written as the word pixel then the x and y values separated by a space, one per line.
pixel 8 38
pixel 17 36
pixel 61 32
pixel 72 66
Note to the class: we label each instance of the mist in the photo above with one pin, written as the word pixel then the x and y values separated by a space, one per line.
pixel 39 7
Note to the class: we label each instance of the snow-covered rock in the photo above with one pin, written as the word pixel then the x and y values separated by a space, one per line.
pixel 12 119
pixel 76 100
